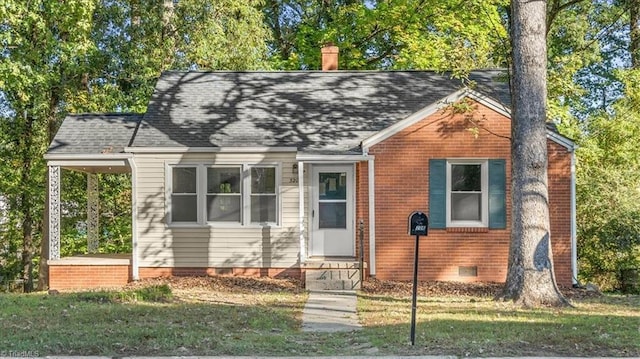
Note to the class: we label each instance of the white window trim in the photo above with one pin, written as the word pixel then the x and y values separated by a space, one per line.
pixel 201 185
pixel 484 222
pixel 169 192
pixel 242 187
pixel 247 195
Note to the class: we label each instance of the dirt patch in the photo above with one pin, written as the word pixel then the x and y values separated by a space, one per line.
pixel 446 289
pixel 239 288
pixel 225 284
pixel 399 288
pixel 222 289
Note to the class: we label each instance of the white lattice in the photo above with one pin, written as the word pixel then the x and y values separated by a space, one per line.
pixel 54 212
pixel 93 213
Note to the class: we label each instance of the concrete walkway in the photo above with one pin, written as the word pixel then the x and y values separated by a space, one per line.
pixel 330 311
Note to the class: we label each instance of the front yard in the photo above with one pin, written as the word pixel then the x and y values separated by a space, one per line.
pixel 233 316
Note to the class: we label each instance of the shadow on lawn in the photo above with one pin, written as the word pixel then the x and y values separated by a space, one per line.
pixel 486 328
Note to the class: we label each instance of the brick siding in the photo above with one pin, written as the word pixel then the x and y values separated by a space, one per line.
pixel 69 277
pixel 402 172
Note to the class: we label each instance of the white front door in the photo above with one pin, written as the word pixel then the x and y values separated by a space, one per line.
pixel 332 211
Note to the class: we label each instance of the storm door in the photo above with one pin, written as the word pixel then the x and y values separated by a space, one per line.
pixel 332 211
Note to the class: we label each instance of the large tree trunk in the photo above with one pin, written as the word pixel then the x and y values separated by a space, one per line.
pixel 43 268
pixel 25 208
pixel 530 277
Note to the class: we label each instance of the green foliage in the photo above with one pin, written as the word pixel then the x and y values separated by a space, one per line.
pixel 115 213
pixel 571 49
pixel 608 192
pixel 399 34
pixel 96 56
pixel 160 293
pixel 42 46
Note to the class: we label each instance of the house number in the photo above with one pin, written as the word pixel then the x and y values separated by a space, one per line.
pixel 293 180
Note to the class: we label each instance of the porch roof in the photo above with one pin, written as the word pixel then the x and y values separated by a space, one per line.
pixel 94 142
pixel 95 134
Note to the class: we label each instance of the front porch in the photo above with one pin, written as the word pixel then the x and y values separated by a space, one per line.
pixel 86 266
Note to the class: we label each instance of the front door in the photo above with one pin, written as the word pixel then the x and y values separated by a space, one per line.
pixel 332 211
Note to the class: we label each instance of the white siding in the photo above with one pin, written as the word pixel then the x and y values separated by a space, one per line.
pixel 164 245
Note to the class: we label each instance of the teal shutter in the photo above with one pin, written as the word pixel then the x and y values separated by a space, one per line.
pixel 497 194
pixel 437 193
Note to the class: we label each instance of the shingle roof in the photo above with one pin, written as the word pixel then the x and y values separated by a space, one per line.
pixel 95 133
pixel 312 111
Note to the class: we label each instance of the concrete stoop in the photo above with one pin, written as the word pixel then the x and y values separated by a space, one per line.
pixel 332 275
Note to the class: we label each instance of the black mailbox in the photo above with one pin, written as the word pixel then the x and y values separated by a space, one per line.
pixel 418 224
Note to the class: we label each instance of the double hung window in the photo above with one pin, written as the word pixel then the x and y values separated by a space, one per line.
pixel 264 199
pixel 467 193
pixel 184 194
pixel 224 194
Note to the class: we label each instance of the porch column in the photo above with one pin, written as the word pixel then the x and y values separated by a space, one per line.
pixel 93 213
pixel 54 212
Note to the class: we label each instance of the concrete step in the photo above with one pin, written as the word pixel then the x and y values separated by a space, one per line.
pixel 332 279
pixel 328 264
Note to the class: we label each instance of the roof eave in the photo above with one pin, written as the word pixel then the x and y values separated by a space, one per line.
pixel 255 149
pixel 433 108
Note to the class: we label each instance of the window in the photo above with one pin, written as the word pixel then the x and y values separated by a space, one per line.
pixel 332 200
pixel 467 193
pixel 224 196
pixel 263 195
pixel 240 194
pixel 184 196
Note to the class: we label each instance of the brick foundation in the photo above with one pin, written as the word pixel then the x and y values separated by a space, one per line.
pixel 150 272
pixel 69 277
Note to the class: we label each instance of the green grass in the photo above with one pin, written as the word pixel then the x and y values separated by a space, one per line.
pixel 606 326
pixel 154 321
pixel 113 323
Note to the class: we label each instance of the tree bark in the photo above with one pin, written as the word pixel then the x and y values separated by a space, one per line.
pixel 25 208
pixel 530 277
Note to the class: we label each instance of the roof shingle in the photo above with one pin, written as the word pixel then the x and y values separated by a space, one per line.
pixel 313 111
pixel 95 133
pixel 324 112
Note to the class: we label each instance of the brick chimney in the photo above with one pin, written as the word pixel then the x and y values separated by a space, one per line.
pixel 329 57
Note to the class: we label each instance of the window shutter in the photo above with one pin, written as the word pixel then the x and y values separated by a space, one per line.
pixel 437 193
pixel 497 194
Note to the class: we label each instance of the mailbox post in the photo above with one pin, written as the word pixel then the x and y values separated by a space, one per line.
pixel 418 225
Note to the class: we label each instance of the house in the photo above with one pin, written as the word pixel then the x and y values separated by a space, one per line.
pixel 283 173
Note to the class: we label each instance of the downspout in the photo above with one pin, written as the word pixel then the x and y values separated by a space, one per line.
pixel 372 212
pixel 135 272
pixel 303 252
pixel 574 235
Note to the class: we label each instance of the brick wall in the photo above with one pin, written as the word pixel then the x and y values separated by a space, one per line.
pixel 560 210
pixel 402 172
pixel 68 277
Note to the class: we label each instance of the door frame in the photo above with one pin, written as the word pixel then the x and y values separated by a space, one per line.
pixel 351 204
